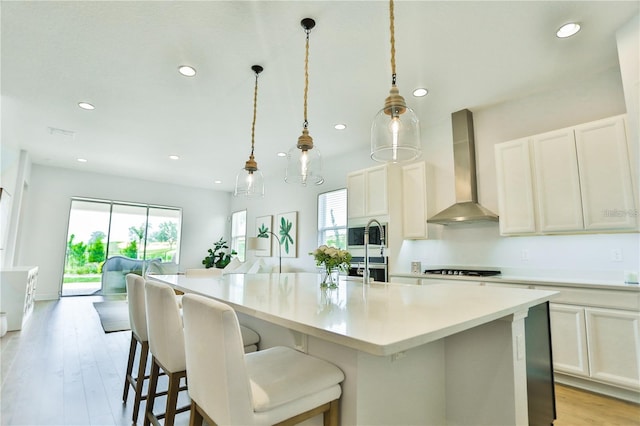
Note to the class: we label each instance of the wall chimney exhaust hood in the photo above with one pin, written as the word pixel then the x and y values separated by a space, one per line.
pixel 466 209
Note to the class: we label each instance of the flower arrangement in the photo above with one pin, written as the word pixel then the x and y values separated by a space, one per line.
pixel 332 258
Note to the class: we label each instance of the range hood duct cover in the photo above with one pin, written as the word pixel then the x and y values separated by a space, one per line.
pixel 466 209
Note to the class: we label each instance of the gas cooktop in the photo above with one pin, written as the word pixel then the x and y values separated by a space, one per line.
pixel 467 272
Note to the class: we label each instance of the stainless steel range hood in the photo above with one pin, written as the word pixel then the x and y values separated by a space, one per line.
pixel 466 209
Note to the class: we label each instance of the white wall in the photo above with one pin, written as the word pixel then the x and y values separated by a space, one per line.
pixel 205 217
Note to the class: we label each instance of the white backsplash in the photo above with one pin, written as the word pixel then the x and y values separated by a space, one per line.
pixel 562 256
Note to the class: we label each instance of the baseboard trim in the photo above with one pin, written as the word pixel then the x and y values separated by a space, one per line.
pixel 47 296
pixel 597 387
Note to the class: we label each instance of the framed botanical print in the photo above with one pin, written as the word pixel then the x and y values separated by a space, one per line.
pixel 287 232
pixel 264 226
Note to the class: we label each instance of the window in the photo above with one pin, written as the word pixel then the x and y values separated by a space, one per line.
pixel 101 229
pixel 332 218
pixel 239 233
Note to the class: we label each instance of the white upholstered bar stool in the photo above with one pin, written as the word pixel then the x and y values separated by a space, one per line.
pixel 249 337
pixel 166 342
pixel 267 387
pixel 138 322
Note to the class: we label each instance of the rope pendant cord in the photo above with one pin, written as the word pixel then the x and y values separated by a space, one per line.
pixel 393 43
pixel 253 125
pixel 306 78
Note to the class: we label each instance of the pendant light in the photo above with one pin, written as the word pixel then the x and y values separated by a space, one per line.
pixel 304 164
pixel 249 181
pixel 395 132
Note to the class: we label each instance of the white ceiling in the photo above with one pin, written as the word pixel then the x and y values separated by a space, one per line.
pixel 122 56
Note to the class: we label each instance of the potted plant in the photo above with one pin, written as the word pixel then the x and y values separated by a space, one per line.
pixel 218 257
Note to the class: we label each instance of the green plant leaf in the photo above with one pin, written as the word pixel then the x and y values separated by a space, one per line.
pixel 285 238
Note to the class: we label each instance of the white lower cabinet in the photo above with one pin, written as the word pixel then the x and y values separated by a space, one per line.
pixel 597 344
pixel 569 339
pixel 18 294
pixel 613 340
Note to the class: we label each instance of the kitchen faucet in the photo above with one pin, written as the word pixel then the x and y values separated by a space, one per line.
pixel 366 273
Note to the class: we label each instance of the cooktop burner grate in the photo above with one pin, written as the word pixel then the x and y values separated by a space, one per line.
pixel 465 272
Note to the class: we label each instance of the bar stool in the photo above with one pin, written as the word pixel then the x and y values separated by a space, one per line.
pixel 266 387
pixel 139 336
pixel 166 342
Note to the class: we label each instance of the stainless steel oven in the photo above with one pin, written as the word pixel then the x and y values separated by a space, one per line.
pixel 377 268
pixel 355 236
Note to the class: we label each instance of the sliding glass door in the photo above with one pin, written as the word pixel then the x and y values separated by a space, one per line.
pixel 108 239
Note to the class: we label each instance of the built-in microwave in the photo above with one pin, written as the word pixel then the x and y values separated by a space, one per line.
pixel 355 236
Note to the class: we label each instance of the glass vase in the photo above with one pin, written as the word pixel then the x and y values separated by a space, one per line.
pixel 330 277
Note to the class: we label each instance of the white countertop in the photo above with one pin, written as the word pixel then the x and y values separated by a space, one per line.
pixel 380 319
pixel 531 280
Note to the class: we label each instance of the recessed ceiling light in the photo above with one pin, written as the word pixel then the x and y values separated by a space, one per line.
pixel 420 92
pixel 82 160
pixel 217 181
pixel 174 157
pixel 281 154
pixel 567 30
pixel 86 105
pixel 340 126
pixel 186 70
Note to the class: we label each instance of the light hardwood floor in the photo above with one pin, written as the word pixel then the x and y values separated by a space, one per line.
pixel 62 369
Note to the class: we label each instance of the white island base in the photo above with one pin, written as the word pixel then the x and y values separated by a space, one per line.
pixel 475 377
pixel 412 355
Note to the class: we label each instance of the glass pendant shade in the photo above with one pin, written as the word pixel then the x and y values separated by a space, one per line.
pixel 304 162
pixel 395 132
pixel 304 167
pixel 249 184
pixel 395 137
pixel 249 180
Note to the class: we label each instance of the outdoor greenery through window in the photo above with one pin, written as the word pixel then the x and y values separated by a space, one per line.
pixel 239 233
pixel 101 229
pixel 332 218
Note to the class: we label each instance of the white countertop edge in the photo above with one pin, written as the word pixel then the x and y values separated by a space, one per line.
pixel 507 279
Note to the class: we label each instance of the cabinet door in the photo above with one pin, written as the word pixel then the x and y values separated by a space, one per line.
pixel 568 339
pixel 605 175
pixel 559 202
pixel 376 191
pixel 414 201
pixel 515 193
pixel 613 338
pixel 356 194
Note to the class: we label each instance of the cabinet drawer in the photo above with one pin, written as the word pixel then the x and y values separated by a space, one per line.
pixel 600 298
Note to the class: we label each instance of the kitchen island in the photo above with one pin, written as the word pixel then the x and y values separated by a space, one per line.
pixel 411 354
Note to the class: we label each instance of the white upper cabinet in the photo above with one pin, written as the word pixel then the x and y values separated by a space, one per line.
pixel 605 175
pixel 515 189
pixel 376 183
pixel 356 194
pixel 555 165
pixel 367 192
pixel 414 201
pixel 567 181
